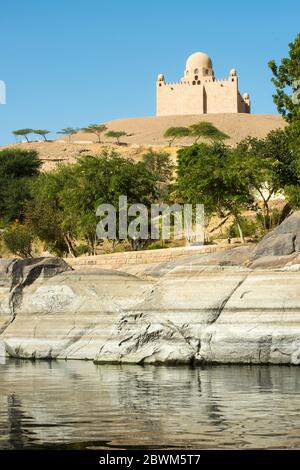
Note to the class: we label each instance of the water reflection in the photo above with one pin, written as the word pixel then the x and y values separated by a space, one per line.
pixel 79 405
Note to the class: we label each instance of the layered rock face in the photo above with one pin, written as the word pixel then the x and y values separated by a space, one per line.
pixel 239 306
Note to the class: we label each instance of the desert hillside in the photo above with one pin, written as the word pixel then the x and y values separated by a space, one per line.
pixel 149 130
pixel 145 132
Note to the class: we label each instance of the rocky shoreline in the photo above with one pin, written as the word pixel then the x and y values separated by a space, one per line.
pixel 237 306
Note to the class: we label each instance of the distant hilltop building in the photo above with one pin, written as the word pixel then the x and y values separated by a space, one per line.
pixel 199 92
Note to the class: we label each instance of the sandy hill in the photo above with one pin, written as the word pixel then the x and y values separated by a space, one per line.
pixel 149 130
pixel 145 132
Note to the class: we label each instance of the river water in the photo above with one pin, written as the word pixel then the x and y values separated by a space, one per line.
pixel 78 405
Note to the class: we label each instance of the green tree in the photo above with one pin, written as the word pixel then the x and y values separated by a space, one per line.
pixel 17 168
pixel 45 213
pixel 206 175
pixel 269 165
pixel 69 132
pixel 175 133
pixel 18 239
pixel 207 130
pixel 63 210
pixel 286 78
pixel 23 133
pixel 42 132
pixel 96 129
pixel 160 165
pixel 116 135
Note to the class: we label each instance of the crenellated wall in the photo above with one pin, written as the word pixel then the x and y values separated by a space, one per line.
pixel 208 97
pixel 199 92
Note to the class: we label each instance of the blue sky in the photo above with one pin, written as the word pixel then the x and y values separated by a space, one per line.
pixel 74 62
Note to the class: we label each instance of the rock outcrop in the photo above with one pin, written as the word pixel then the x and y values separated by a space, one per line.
pixel 239 306
pixel 283 241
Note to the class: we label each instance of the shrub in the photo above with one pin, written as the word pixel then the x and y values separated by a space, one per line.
pixel 18 239
pixel 249 228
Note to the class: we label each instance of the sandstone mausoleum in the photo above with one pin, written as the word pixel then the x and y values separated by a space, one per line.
pixel 199 92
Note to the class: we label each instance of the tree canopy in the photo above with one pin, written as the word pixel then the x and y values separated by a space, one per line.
pixel 176 133
pixel 116 135
pixel 23 133
pixel 286 78
pixel 96 129
pixel 207 130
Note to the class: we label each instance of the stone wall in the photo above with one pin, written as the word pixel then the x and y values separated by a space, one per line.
pixel 209 97
pixel 131 258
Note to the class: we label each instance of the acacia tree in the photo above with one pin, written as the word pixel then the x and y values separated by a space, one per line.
pixel 287 83
pixel 42 132
pixel 17 168
pixel 63 209
pixel 160 165
pixel 176 133
pixel 68 131
pixel 116 135
pixel 287 99
pixel 206 175
pixel 23 133
pixel 97 129
pixel 208 131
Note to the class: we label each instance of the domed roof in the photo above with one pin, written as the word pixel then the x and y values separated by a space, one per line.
pixel 198 60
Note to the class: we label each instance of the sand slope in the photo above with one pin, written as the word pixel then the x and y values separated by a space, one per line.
pixel 145 132
pixel 149 130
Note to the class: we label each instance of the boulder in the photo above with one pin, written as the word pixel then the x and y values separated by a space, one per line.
pixel 283 240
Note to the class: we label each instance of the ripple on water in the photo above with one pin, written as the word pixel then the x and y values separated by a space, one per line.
pixel 79 405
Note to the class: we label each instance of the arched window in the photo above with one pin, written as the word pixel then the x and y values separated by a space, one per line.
pixel 196 71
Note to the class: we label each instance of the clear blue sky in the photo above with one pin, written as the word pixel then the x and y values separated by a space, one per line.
pixel 75 62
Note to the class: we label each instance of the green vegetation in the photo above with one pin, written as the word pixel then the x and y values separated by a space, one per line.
pixel 96 129
pixel 199 130
pixel 207 130
pixel 57 209
pixel 18 239
pixel 23 133
pixel 160 165
pixel 285 80
pixel 69 132
pixel 116 135
pixel 207 174
pixel 176 133
pixel 41 132
pixel 17 169
pixel 62 211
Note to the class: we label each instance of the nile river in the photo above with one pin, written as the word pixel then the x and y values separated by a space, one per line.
pixel 77 405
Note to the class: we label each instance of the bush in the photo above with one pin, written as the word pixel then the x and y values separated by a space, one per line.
pixel 249 228
pixel 157 245
pixel 18 239
pixel 82 250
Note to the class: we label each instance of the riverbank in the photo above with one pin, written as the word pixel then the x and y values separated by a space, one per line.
pixel 234 306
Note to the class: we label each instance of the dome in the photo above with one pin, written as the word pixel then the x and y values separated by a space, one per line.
pixel 246 96
pixel 160 77
pixel 198 60
pixel 233 73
